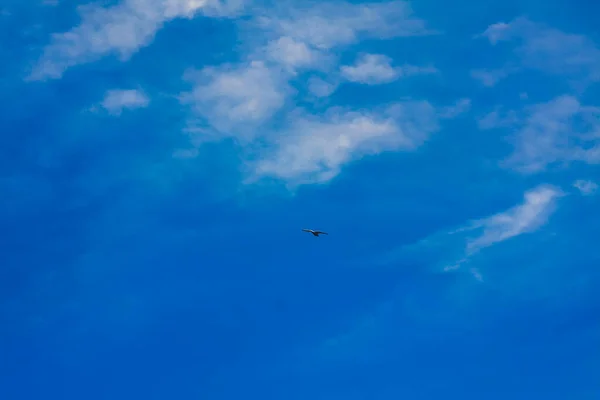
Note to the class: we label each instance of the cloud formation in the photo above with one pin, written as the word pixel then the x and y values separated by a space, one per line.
pixel 373 69
pixel 561 130
pixel 538 204
pixel 253 100
pixel 325 25
pixel 295 39
pixel 586 187
pixel 119 30
pixel 294 54
pixel 313 149
pixel 116 100
pixel 235 99
pixel 545 49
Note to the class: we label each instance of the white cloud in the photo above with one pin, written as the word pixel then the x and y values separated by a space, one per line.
pixel 327 25
pixel 294 54
pixel 124 28
pixel 373 69
pixel 120 29
pixel 456 249
pixel 498 31
pixel 314 149
pixel 561 130
pixel 549 50
pixel 586 187
pixel 237 99
pixel 246 101
pixel 115 101
pixel 476 274
pixel 538 205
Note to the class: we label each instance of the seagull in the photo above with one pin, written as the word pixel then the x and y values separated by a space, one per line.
pixel 316 233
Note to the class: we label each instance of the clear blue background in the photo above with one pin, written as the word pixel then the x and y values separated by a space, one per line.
pixel 129 273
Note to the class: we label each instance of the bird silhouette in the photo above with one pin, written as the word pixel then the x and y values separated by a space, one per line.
pixel 315 233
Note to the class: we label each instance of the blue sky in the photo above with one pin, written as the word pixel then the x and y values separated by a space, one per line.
pixel 160 158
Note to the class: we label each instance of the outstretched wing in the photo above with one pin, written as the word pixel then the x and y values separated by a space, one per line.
pixel 307 230
pixel 321 233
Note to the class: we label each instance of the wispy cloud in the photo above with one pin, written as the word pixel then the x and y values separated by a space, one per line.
pixel 545 49
pixel 373 69
pixel 229 96
pixel 586 187
pixel 294 54
pixel 450 250
pixel 120 30
pixel 314 148
pixel 115 101
pixel 325 25
pixel 561 130
pixel 537 206
pixel 234 100
pixel 533 213
pixel 245 100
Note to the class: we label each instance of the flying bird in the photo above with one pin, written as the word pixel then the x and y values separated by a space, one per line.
pixel 316 233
